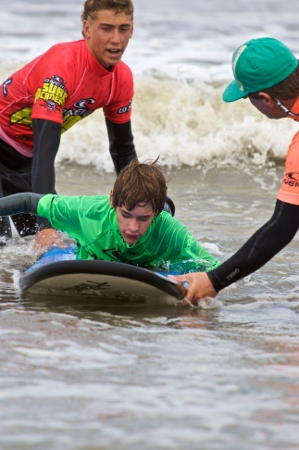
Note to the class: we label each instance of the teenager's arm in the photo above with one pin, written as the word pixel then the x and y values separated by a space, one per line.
pixel 121 144
pixel 24 202
pixel 28 203
pixel 45 146
pixel 260 248
pixel 46 140
pixel 257 251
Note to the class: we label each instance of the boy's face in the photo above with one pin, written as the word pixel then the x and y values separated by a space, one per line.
pixel 133 224
pixel 108 35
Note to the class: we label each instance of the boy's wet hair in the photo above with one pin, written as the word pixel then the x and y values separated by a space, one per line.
pixel 90 7
pixel 140 183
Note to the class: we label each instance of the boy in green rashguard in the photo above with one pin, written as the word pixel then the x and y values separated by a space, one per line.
pixel 130 226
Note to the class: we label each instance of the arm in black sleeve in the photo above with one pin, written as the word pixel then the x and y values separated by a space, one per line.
pixel 46 140
pixel 260 248
pixel 121 144
pixel 46 136
pixel 25 202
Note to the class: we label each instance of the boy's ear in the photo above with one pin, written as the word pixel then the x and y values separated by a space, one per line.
pixel 267 98
pixel 111 198
pixel 86 29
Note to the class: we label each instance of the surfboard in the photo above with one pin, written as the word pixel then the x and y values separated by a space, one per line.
pixel 57 272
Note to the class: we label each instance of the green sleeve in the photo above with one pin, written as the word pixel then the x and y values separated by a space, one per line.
pixel 62 212
pixel 183 246
pixel 191 249
pixel 44 206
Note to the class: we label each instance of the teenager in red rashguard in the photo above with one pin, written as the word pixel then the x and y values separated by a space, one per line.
pixel 56 90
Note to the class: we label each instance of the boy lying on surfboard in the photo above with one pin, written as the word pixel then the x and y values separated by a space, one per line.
pixel 130 226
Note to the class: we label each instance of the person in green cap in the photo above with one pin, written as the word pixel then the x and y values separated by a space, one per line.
pixel 267 73
pixel 128 226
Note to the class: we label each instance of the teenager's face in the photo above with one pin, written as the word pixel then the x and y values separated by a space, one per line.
pixel 108 35
pixel 133 224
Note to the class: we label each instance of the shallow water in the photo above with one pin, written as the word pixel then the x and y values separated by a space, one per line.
pixel 76 376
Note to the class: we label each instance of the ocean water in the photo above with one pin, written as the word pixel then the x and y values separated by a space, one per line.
pixel 75 376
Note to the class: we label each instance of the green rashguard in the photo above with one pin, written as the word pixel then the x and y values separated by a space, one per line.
pixel 92 222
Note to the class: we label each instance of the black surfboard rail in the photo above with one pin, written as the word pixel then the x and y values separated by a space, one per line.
pixel 109 268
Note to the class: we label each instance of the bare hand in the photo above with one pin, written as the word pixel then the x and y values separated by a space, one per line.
pixel 200 286
pixel 47 237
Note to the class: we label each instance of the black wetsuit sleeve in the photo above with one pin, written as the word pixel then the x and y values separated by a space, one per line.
pixel 260 248
pixel 45 146
pixel 46 143
pixel 25 202
pixel 121 144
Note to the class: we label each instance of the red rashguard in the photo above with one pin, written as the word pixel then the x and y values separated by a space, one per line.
pixel 63 85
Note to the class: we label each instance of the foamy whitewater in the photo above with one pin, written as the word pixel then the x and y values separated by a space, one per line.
pixel 76 376
pixel 180 56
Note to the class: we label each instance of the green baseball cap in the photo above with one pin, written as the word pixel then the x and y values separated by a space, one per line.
pixel 259 64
